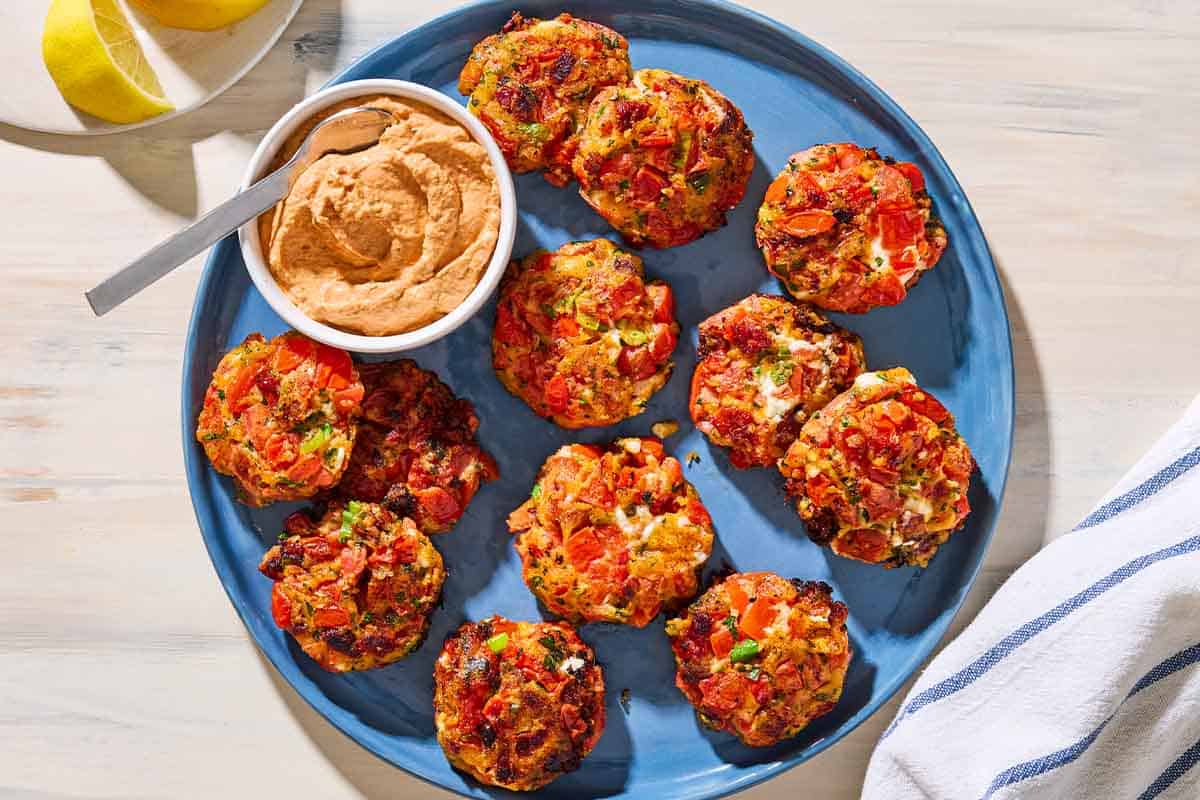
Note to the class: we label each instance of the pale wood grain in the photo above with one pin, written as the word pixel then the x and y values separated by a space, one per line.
pixel 124 671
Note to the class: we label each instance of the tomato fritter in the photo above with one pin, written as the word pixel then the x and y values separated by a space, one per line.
pixel 848 230
pixel 760 656
pixel 581 336
pixel 280 417
pixel 765 364
pixel 356 587
pixel 531 84
pixel 880 474
pixel 517 704
pixel 613 534
pixel 416 451
pixel 663 158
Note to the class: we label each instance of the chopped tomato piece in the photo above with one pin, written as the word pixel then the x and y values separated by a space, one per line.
pixel 761 689
pixel 648 184
pixel 962 506
pixel 698 514
pixel 565 328
pixel 304 469
pixel 777 192
pixel 663 137
pixel 865 544
pixel 663 344
pixel 815 486
pixel 584 547
pixel 280 450
pixel 737 595
pixel 241 386
pixel 281 609
pixel 923 403
pixel 652 447
pixel 664 302
pixel 347 399
pixel 913 173
pixel 721 641
pixel 509 329
pixel 334 367
pixel 439 503
pixel 557 394
pixel 848 155
pixel 331 617
pixel 597 493
pixel 637 362
pixel 472 74
pixel 294 352
pixel 757 617
pixel 900 229
pixel 353 561
pixel 722 692
pixel 807 223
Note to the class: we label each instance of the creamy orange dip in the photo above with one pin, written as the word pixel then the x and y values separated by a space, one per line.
pixel 390 239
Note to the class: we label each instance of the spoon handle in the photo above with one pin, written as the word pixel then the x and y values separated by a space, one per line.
pixel 192 240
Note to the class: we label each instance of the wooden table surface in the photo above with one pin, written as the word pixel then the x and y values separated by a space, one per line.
pixel 124 671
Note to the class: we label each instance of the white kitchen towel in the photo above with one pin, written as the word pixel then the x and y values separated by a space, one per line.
pixel 1080 679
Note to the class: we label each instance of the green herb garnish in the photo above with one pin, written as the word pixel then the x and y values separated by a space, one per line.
pixel 497 643
pixel 781 372
pixel 316 438
pixel 349 518
pixel 744 650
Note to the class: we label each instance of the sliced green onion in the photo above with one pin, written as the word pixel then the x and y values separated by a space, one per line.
pixel 498 642
pixel 537 491
pixel 781 372
pixel 744 650
pixel 349 518
pixel 315 438
pixel 633 337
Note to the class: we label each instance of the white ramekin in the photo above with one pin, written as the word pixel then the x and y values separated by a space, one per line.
pixel 260 273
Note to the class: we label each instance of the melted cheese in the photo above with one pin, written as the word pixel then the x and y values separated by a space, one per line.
pixel 572 665
pixel 868 379
pixel 880 260
pixel 774 406
pixel 878 256
pixel 640 527
pixel 919 505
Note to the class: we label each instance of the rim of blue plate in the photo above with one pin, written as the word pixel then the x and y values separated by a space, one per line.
pixel 194 466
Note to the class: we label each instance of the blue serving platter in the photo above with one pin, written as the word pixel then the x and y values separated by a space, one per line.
pixel 952 332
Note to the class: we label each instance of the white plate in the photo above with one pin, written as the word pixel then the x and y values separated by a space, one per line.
pixel 193 67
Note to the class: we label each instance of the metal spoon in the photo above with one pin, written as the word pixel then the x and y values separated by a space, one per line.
pixel 345 132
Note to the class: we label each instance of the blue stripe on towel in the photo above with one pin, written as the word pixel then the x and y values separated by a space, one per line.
pixel 998 652
pixel 1152 485
pixel 1040 766
pixel 1172 773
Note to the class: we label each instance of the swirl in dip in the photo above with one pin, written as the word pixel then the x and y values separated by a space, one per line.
pixel 392 238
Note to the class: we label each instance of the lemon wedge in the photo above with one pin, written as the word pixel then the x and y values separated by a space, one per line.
pixel 199 15
pixel 97 63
